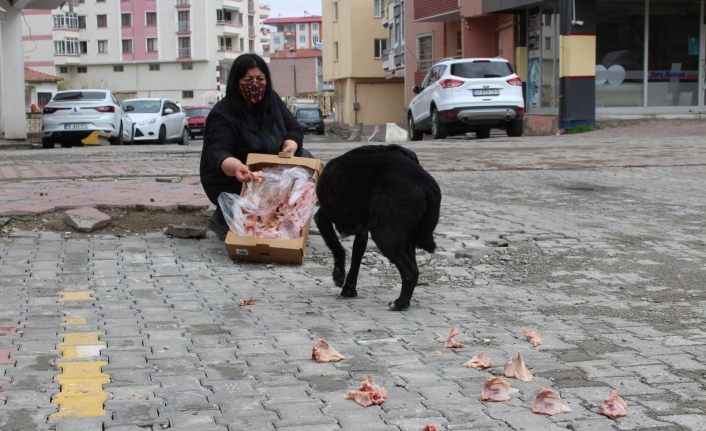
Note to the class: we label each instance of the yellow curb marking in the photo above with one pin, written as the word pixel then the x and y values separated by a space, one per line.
pixel 80 295
pixel 81 393
pixel 80 345
pixel 74 320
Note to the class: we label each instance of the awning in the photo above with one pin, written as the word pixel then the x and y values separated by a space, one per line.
pixel 490 6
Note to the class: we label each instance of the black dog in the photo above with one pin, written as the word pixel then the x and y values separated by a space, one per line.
pixel 384 190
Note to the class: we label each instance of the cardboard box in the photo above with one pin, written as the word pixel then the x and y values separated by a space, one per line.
pixel 288 251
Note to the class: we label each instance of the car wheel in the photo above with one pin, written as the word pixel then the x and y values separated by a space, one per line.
pixel 184 140
pixel 438 130
pixel 118 140
pixel 483 133
pixel 515 128
pixel 66 144
pixel 47 143
pixel 162 137
pixel 412 133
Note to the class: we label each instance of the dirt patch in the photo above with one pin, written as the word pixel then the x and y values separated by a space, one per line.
pixel 123 221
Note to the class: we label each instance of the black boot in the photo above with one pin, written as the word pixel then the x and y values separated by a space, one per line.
pixel 218 224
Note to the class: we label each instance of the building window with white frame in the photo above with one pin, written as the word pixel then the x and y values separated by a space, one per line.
pixel 82 69
pixel 118 68
pixel 154 67
pixel 377 8
pixel 150 19
pixel 126 20
pixel 424 52
pixel 127 46
pixel 68 46
pixel 151 44
pixel 380 46
pixel 187 94
pixel 102 46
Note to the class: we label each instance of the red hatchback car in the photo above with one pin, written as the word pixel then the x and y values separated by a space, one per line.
pixel 196 116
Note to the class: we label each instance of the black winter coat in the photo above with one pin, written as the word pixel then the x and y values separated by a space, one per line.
pixel 234 132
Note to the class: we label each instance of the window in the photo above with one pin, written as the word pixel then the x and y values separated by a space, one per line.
pixel 302 39
pixel 315 39
pixel 302 27
pixel 118 68
pixel 335 51
pixel 183 19
pixel 151 18
pixel 152 44
pixel 380 47
pixel 63 69
pixel 242 45
pixel 102 46
pixel 187 66
pixel 187 94
pixel 126 20
pixel 315 26
pixel 223 16
pixel 82 69
pixel 154 67
pixel 424 52
pixel 101 21
pixel 83 47
pixel 225 43
pixel 68 46
pixel 66 20
pixel 277 40
pixel 127 46
pixel 82 21
pixel 377 8
pixel 184 47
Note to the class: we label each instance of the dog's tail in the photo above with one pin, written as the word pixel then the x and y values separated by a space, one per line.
pixel 425 230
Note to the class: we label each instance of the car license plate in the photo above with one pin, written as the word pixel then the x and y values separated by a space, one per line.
pixel 486 91
pixel 74 126
pixel 195 130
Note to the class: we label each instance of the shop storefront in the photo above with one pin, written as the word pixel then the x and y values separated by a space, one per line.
pixel 591 58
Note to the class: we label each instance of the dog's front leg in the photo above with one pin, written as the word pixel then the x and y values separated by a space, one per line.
pixel 359 244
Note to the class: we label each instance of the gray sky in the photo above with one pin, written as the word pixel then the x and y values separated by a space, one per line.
pixel 291 8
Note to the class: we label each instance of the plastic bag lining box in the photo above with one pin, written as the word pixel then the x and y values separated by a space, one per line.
pixel 267 250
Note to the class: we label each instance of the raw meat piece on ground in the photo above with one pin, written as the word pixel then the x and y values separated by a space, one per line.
pixel 547 402
pixel 481 360
pixel 368 394
pixel 323 352
pixel 515 367
pixel 613 406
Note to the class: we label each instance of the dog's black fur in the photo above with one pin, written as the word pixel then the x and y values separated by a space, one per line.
pixel 383 190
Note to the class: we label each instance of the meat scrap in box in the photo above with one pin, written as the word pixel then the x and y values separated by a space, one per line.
pixel 269 221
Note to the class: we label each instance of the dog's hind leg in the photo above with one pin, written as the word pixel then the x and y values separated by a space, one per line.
pixel 359 245
pixel 403 257
pixel 328 233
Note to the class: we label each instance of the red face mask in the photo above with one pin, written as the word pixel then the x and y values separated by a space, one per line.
pixel 253 91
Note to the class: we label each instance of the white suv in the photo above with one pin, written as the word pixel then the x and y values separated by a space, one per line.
pixel 467 95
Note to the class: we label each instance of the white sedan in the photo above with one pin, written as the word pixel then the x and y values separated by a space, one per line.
pixel 157 119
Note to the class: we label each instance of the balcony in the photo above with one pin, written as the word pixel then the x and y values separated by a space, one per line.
pixel 183 4
pixel 183 27
pixel 227 53
pixel 226 28
pixel 437 10
pixel 184 54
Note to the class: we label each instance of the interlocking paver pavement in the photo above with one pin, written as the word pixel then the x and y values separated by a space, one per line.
pixel 607 261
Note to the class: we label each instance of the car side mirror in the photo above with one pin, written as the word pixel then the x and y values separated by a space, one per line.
pixel 168 111
pixel 416 89
pixel 129 108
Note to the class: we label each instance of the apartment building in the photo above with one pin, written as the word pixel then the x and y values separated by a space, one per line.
pixel 294 33
pixel 354 47
pixel 181 49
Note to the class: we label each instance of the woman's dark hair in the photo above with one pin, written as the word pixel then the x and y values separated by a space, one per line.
pixel 238 70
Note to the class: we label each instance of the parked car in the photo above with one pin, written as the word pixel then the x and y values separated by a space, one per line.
pixel 467 95
pixel 196 117
pixel 75 116
pixel 157 119
pixel 310 119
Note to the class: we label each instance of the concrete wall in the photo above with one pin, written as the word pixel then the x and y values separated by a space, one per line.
pixel 283 72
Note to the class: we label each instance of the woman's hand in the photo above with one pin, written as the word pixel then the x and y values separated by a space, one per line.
pixel 289 146
pixel 233 167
